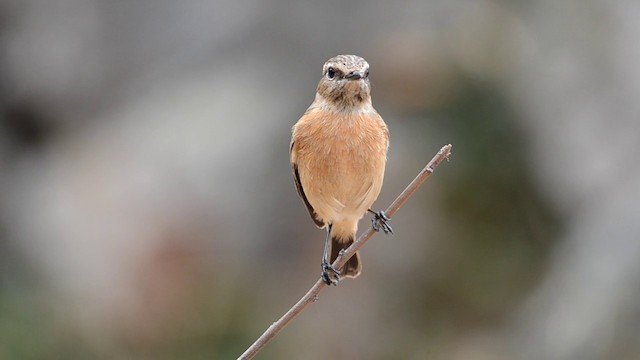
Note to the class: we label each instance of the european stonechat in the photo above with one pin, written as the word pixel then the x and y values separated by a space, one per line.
pixel 338 156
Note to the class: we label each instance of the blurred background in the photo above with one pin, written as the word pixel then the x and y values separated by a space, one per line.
pixel 147 209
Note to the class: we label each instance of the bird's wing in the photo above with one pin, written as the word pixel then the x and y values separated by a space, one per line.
pixel 296 179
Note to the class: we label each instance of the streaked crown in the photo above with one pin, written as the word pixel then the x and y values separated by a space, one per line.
pixel 344 65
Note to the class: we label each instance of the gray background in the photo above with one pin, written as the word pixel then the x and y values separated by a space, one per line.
pixel 147 209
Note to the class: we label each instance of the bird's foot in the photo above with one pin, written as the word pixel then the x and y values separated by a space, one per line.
pixel 379 221
pixel 330 275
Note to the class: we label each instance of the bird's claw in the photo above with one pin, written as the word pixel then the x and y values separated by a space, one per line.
pixel 379 221
pixel 332 279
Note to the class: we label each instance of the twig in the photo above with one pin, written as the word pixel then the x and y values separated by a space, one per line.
pixel 312 294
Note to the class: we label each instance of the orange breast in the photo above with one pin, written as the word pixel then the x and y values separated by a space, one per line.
pixel 341 160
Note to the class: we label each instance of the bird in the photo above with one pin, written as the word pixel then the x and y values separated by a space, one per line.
pixel 338 156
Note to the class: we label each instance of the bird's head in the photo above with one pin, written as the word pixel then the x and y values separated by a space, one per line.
pixel 345 82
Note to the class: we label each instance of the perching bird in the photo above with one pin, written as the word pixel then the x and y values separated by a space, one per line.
pixel 338 156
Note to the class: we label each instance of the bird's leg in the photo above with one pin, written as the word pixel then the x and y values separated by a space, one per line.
pixel 379 221
pixel 326 266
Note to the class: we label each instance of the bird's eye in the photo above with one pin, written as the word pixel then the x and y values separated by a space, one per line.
pixel 331 73
pixel 366 73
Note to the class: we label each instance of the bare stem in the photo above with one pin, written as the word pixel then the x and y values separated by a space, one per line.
pixel 312 294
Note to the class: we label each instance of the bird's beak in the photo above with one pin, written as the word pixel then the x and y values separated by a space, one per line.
pixel 354 75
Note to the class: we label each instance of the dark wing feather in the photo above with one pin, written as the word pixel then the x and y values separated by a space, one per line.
pixel 296 179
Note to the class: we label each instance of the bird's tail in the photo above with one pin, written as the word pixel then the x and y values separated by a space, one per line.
pixel 353 267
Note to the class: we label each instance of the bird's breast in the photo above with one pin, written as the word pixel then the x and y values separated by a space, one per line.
pixel 341 160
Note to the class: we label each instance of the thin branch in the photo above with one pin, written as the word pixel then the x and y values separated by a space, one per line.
pixel 312 294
